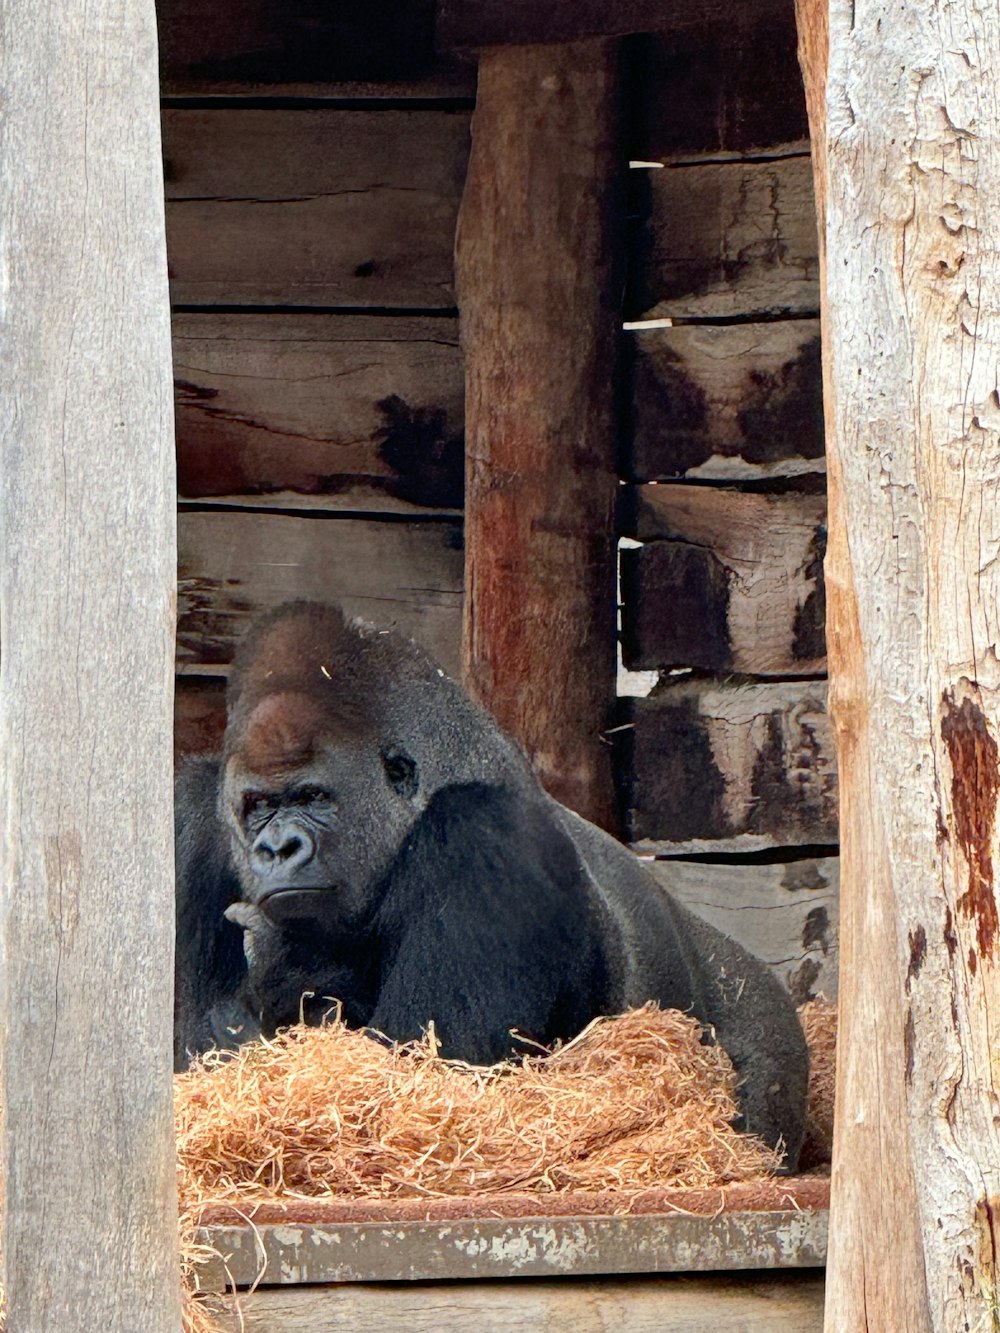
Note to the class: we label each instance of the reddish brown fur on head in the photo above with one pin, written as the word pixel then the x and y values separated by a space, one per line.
pixel 294 685
pixel 283 733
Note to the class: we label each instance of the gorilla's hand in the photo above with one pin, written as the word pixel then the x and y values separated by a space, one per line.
pixel 260 936
pixel 290 975
pixel 277 985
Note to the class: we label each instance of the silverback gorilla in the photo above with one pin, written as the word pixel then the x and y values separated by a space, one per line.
pixel 381 841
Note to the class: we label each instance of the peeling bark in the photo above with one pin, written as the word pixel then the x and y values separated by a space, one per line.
pixel 908 170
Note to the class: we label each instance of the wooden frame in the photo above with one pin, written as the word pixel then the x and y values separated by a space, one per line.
pixel 87 578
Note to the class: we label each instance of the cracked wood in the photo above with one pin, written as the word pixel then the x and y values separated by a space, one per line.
pixel 313 207
pixel 87 569
pixel 904 119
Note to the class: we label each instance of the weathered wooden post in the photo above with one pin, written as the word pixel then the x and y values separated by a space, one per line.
pixel 87 572
pixel 540 324
pixel 906 153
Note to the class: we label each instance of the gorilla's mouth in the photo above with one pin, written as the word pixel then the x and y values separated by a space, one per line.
pixel 284 906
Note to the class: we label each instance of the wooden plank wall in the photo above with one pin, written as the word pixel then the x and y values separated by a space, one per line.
pixel 315 156
pixel 730 758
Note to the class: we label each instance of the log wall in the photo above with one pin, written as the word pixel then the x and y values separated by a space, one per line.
pixel 723 512
pixel 315 160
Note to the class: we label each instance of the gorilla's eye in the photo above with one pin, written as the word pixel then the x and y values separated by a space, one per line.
pixel 256 804
pixel 310 795
pixel 401 771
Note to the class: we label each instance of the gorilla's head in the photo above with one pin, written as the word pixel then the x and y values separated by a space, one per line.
pixel 338 735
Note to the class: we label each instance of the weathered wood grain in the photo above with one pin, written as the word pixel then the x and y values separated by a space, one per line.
pixel 325 207
pixel 736 402
pixel 232 565
pixel 728 767
pixel 275 45
pixel 340 412
pixel 791 1303
pixel 729 88
pixel 726 581
pixel 911 302
pixel 87 563
pixel 537 264
pixel 485 1247
pixel 785 913
pixel 725 238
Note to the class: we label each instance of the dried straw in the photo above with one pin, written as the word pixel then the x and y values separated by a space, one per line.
pixel 632 1103
pixel 819 1023
pixel 322 1113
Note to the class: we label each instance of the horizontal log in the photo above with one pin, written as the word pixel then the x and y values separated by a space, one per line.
pixel 790 1303
pixel 245 45
pixel 729 402
pixel 787 913
pixel 730 88
pixel 327 207
pixel 484 1245
pixel 719 767
pixel 464 24
pixel 344 412
pixel 232 565
pixel 726 581
pixel 725 238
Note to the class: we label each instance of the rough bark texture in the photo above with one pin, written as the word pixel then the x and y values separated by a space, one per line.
pixel 538 301
pixel 86 599
pixel 908 164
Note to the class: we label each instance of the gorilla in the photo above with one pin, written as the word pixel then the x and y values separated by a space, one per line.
pixel 385 846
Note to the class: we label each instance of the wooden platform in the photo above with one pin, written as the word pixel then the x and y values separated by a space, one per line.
pixel 521 1261
pixel 773 1224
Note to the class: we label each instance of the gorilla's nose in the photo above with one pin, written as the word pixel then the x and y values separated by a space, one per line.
pixel 281 850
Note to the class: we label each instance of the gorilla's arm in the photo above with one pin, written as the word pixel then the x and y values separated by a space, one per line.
pixel 487 927
pixel 757 1026
pixel 210 970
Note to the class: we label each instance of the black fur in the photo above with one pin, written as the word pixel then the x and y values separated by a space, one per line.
pixel 385 847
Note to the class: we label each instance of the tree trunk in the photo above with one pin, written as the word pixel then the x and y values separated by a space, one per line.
pixel 905 151
pixel 87 571
pixel 540 326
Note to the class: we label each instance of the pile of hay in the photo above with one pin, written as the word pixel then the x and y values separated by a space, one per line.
pixel 320 1113
pixel 632 1103
pixel 819 1023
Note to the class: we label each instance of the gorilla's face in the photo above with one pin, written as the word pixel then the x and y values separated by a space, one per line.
pixel 315 818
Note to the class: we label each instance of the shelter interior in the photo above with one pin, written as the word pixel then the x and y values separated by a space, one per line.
pixel 315 159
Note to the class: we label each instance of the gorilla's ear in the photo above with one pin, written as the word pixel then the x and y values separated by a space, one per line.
pixel 486 926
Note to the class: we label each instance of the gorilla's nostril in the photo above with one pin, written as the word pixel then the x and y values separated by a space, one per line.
pixel 289 848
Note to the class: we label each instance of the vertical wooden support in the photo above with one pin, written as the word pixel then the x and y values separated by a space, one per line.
pixel 540 327
pixel 87 576
pixel 904 141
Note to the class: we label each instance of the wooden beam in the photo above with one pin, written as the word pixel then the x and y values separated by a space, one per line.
pixel 316 206
pixel 360 413
pixel 901 102
pixel 718 766
pixel 286 1253
pixel 777 1303
pixel 725 580
pixel 536 267
pixel 465 24
pixel 87 567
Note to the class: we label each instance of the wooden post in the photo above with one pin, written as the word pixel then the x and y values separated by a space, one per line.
pixel 904 151
pixel 87 572
pixel 540 326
